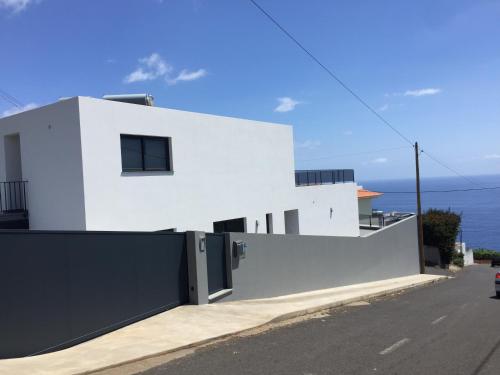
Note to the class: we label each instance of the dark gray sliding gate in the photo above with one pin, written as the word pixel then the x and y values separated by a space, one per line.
pixel 58 289
pixel 216 262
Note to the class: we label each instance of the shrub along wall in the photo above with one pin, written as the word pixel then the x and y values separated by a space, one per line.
pixel 485 254
pixel 440 230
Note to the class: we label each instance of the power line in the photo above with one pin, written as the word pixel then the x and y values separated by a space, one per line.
pixel 355 154
pixel 331 73
pixel 443 191
pixel 7 99
pixel 347 88
pixel 450 169
pixel 11 99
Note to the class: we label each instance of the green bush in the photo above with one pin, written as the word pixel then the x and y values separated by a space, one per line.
pixel 457 259
pixel 485 254
pixel 440 230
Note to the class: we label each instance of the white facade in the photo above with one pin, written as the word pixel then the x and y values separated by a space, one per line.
pixel 223 168
pixel 467 252
pixel 365 206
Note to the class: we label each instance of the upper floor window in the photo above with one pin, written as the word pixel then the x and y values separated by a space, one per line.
pixel 144 153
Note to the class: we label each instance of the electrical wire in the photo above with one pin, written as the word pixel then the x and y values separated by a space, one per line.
pixel 443 191
pixel 433 158
pixel 331 73
pixel 349 90
pixel 11 99
pixel 354 154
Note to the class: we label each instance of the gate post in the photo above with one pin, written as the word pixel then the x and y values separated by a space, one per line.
pixel 197 267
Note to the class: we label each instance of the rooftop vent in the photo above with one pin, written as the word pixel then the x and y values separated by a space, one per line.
pixel 141 99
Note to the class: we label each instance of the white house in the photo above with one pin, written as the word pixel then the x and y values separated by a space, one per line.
pixel 95 164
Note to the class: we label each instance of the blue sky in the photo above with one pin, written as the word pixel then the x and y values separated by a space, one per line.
pixel 432 68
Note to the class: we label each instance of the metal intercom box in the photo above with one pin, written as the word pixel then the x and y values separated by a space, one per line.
pixel 239 249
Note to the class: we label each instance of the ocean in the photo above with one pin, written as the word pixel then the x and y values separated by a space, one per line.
pixel 480 209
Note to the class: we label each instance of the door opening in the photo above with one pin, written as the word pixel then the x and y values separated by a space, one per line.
pixel 269 223
pixel 292 222
pixel 13 169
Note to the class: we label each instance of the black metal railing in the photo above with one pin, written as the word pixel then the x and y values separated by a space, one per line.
pixel 372 221
pixel 379 219
pixel 13 196
pixel 323 176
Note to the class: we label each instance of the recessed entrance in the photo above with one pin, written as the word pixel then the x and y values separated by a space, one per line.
pixel 13 169
pixel 292 222
pixel 269 223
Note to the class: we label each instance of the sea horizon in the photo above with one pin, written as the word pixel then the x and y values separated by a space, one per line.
pixel 477 207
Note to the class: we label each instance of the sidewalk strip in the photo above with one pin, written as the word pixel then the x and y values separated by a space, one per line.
pixel 189 326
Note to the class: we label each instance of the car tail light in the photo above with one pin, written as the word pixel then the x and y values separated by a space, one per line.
pixel 498 275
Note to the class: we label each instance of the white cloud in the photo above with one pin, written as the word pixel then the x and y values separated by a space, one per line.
pixel 150 68
pixel 492 156
pixel 422 92
pixel 186 75
pixel 15 6
pixel 379 161
pixel 286 104
pixel 14 110
pixel 309 144
pixel 384 108
pixel 154 66
pixel 347 132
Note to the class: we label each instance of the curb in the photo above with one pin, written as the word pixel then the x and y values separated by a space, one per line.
pixel 348 301
pixel 277 319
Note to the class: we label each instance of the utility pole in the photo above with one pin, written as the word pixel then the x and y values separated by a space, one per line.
pixel 419 213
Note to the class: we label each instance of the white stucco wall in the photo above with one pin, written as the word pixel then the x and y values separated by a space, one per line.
pixel 468 253
pixel 328 209
pixel 51 163
pixel 365 206
pixel 224 168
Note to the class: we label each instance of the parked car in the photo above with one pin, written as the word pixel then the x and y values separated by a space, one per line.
pixel 495 261
pixel 497 284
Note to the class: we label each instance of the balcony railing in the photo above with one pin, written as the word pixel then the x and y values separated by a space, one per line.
pixel 323 176
pixel 371 221
pixel 379 219
pixel 13 197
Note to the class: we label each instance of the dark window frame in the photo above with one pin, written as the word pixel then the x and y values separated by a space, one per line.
pixel 143 138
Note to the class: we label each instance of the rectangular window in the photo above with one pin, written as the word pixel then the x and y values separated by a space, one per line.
pixel 233 225
pixel 143 153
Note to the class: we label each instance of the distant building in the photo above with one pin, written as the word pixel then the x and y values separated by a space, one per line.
pixel 365 198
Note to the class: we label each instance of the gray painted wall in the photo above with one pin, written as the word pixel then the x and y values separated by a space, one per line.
pixel 59 289
pixel 284 264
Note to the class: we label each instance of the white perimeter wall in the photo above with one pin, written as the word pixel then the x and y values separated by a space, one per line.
pixel 224 168
pixel 468 253
pixel 51 163
pixel 328 209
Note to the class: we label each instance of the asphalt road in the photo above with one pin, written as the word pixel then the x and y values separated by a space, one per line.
pixel 452 327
